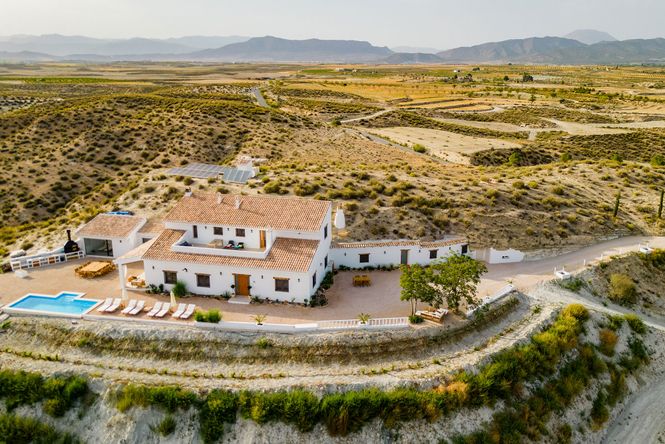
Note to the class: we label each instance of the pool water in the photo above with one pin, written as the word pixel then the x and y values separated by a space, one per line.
pixel 68 303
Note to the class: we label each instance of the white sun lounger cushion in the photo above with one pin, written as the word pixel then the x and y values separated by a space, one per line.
pixel 179 311
pixel 164 310
pixel 114 306
pixel 139 307
pixel 155 309
pixel 189 311
pixel 129 307
pixel 106 304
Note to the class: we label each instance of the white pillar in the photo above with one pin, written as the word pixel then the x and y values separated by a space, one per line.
pixel 122 273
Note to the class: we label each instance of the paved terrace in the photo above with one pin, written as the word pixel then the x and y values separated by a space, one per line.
pixel 345 301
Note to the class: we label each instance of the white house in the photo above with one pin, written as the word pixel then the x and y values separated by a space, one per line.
pixel 260 246
pixel 110 235
pixel 395 252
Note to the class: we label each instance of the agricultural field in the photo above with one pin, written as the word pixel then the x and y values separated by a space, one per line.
pixel 478 152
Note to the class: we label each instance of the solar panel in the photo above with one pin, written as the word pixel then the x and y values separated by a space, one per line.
pixel 204 171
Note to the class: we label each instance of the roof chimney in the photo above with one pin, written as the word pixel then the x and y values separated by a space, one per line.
pixel 219 198
pixel 188 192
pixel 238 202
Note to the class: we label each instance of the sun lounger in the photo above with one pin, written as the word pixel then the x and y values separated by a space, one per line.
pixel 129 307
pixel 106 304
pixel 188 312
pixel 179 311
pixel 163 311
pixel 155 309
pixel 138 308
pixel 114 306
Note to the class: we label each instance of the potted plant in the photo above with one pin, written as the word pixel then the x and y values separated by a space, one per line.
pixel 259 318
pixel 364 318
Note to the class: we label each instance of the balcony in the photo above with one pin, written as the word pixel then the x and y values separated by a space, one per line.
pixel 217 248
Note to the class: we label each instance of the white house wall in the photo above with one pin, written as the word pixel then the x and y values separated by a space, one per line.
pixel 492 256
pixel 389 255
pixel 222 278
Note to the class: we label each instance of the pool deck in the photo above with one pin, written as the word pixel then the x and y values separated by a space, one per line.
pixel 380 300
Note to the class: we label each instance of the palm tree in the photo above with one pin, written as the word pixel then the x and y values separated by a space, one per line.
pixel 364 318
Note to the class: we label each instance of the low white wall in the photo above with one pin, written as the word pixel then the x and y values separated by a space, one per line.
pixel 492 256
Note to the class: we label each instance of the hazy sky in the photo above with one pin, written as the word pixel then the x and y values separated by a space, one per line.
pixel 438 23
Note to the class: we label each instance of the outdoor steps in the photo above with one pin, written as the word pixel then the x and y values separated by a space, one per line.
pixel 243 300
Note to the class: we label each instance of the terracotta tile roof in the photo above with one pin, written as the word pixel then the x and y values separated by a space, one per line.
pixel 255 211
pixel 400 243
pixel 153 226
pixel 110 226
pixel 286 254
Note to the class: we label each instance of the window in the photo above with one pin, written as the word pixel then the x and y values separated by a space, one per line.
pixel 433 254
pixel 325 232
pixel 314 280
pixel 218 231
pixel 240 232
pixel 195 231
pixel 364 258
pixel 325 262
pixel 282 284
pixel 465 249
pixel 203 280
pixel 170 277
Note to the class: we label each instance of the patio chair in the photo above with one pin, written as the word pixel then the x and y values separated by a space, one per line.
pixel 138 309
pixel 155 309
pixel 106 304
pixel 114 306
pixel 129 307
pixel 189 312
pixel 165 309
pixel 179 311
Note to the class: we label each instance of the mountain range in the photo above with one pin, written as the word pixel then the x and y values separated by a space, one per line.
pixel 588 47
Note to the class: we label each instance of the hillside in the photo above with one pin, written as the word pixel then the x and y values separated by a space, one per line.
pixel 536 49
pixel 406 58
pixel 556 50
pixel 276 49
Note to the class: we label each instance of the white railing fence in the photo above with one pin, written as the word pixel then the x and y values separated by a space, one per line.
pixel 44 260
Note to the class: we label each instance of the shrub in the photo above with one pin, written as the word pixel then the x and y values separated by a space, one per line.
pixel 635 323
pixel 577 311
pixel 219 408
pixel 622 289
pixel 179 289
pixel 166 426
pixel 169 398
pixel 599 411
pixel 415 319
pixel 213 316
pixel 59 393
pixel 16 429
pixel 418 148
pixel 608 340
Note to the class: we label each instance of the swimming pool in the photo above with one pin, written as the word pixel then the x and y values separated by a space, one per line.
pixel 65 303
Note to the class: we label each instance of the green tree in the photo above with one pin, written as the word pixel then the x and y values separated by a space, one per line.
pixel 416 282
pixel 456 280
pixel 515 158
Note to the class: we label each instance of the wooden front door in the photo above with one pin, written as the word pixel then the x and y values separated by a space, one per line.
pixel 262 239
pixel 242 284
pixel 404 259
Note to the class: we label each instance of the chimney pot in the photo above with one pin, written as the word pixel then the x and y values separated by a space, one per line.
pixel 219 198
pixel 238 202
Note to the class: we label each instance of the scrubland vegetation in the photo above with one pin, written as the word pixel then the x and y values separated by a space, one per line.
pixel 71 146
